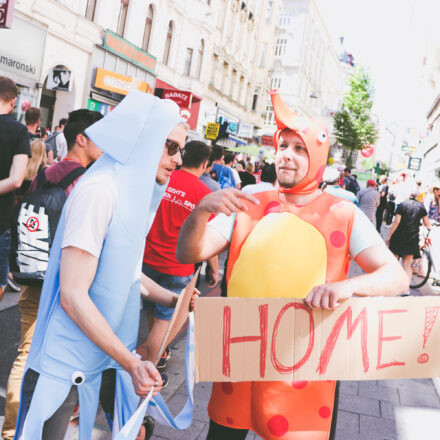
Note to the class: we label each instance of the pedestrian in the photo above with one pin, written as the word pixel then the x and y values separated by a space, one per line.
pixel 32 118
pixel 60 141
pixel 369 200
pixel 212 184
pixel 391 202
pixel 349 183
pixel 229 161
pixel 331 179
pixel 247 177
pixel 183 194
pixel 267 182
pixel 383 202
pixel 219 172
pixel 263 232
pixel 403 239
pixel 14 155
pixel 88 318
pixel 81 153
pixel 434 204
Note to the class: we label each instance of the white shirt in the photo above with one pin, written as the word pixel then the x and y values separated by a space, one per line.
pixel 89 213
pixel 363 234
pixel 61 145
pixel 254 188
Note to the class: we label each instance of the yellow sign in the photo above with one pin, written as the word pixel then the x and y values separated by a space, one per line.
pixel 114 82
pixel 212 130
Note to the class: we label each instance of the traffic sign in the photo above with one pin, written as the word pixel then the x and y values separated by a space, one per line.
pixel 414 163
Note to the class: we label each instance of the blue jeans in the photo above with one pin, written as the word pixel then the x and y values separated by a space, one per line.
pixel 170 282
pixel 5 250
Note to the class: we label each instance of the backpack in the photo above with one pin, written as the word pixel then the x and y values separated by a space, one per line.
pixel 225 178
pixel 51 142
pixel 353 185
pixel 34 223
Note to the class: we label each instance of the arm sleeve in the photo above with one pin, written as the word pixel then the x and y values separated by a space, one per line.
pixel 88 216
pixel 363 235
pixel 223 224
pixel 22 145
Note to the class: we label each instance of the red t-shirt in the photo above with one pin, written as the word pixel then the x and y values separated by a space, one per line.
pixel 183 193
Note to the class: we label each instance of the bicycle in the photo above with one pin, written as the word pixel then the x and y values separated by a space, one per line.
pixel 424 265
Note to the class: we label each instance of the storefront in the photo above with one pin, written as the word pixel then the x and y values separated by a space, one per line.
pixel 21 57
pixel 188 103
pixel 117 68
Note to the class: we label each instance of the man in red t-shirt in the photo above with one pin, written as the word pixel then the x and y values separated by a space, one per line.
pixel 184 192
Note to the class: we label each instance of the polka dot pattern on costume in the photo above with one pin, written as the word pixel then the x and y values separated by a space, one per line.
pixel 272 207
pixel 278 425
pixel 229 421
pixel 325 412
pixel 298 384
pixel 227 388
pixel 337 239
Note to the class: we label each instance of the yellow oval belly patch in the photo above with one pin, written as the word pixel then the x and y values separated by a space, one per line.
pixel 283 256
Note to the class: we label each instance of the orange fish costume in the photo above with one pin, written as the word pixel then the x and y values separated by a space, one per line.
pixel 294 249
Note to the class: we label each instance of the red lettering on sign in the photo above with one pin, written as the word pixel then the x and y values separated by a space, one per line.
pixel 326 354
pixel 276 363
pixel 383 338
pixel 227 340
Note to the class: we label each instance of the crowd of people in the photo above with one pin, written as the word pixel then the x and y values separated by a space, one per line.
pixel 106 210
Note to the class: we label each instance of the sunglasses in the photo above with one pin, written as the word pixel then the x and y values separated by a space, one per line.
pixel 173 147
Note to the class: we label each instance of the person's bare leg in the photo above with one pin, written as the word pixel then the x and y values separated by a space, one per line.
pixel 2 292
pixel 407 265
pixel 155 338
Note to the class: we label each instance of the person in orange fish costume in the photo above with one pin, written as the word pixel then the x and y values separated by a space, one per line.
pixel 293 241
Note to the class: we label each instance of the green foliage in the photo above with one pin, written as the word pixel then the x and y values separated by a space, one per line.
pixel 352 124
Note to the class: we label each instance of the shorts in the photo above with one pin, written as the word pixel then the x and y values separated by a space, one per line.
pixel 5 250
pixel 171 282
pixel 401 247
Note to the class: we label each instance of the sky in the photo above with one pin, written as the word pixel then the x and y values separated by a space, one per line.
pixel 389 37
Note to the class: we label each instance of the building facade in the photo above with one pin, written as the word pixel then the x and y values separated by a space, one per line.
pixel 307 70
pixel 212 57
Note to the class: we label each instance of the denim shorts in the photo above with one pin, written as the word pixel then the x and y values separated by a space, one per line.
pixel 170 282
pixel 5 250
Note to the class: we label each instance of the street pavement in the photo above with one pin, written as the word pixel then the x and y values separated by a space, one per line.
pixel 368 410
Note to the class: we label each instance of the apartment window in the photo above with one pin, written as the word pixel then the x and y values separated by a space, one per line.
pixel 280 48
pixel 214 71
pixel 263 54
pixel 270 116
pixel 200 61
pixel 90 10
pixel 275 83
pixel 255 99
pixel 285 19
pixel 188 60
pixel 122 19
pixel 166 52
pixel 147 30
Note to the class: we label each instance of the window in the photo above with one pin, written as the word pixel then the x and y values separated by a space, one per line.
pixel 263 54
pixel 148 27
pixel 214 71
pixel 269 10
pixel 285 19
pixel 188 60
pixel 275 83
pixel 166 52
pixel 270 116
pixel 280 48
pixel 90 10
pixel 122 19
pixel 225 77
pixel 200 61
pixel 255 99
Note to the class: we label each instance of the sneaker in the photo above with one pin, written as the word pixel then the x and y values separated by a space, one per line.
pixel 149 427
pixel 164 380
pixel 162 364
pixel 13 285
pixel 168 353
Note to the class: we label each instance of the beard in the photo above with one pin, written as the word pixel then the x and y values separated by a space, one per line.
pixel 287 183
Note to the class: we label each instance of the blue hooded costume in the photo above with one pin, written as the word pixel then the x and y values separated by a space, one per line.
pixel 132 138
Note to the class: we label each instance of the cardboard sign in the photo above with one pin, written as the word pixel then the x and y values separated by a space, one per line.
pixel 212 130
pixel 180 315
pixel 262 339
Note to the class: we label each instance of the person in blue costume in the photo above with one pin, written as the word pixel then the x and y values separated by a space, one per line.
pixel 89 309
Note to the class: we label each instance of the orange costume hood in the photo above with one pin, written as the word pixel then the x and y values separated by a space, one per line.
pixel 314 136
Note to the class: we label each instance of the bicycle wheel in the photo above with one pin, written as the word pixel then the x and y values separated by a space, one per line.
pixel 423 267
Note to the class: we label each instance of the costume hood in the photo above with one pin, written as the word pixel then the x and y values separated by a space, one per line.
pixel 314 136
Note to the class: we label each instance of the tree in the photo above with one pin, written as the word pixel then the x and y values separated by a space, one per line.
pixel 353 126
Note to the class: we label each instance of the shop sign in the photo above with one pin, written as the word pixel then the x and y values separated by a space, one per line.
pixel 22 49
pixel 414 163
pixel 181 98
pixel 99 107
pixel 6 13
pixel 212 130
pixel 245 130
pixel 114 82
pixel 232 128
pixel 123 48
pixel 408 148
pixel 267 141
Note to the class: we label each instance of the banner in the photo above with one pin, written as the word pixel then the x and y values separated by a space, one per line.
pixel 262 339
